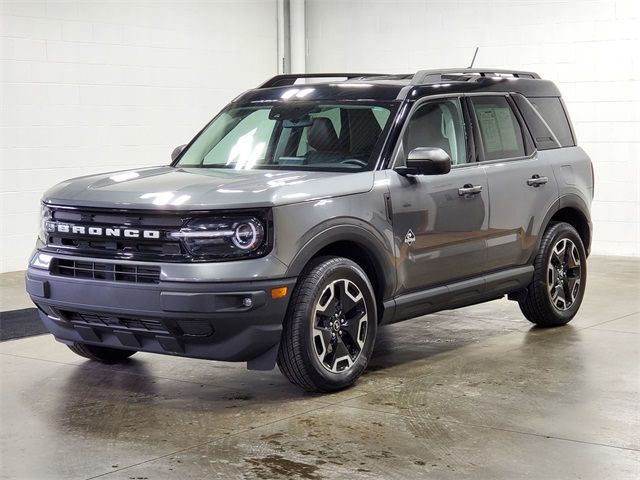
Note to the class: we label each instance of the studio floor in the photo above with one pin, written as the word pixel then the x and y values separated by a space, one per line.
pixel 474 393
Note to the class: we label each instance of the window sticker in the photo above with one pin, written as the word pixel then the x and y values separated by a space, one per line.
pixel 498 132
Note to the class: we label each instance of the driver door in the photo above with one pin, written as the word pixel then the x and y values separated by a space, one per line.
pixel 440 222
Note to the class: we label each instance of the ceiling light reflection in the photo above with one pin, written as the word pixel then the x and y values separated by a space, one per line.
pixel 124 176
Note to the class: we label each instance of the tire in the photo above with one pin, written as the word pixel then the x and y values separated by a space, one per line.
pixel 330 328
pixel 559 278
pixel 101 354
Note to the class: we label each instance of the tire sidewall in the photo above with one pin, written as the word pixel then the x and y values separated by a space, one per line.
pixel 348 270
pixel 559 232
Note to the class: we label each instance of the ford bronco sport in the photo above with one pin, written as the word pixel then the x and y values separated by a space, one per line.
pixel 309 212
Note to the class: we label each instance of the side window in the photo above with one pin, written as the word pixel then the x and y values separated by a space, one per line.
pixel 439 124
pixel 499 128
pixel 543 137
pixel 551 109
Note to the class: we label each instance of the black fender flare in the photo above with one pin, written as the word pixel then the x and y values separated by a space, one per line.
pixel 575 201
pixel 374 245
pixel 569 200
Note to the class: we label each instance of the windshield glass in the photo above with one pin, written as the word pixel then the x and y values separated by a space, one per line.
pixel 292 136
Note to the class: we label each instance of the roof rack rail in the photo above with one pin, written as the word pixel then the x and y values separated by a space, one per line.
pixel 435 76
pixel 290 78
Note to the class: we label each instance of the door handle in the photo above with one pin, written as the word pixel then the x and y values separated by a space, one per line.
pixel 537 180
pixel 468 190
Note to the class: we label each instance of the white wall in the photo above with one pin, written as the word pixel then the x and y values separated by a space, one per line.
pixel 91 86
pixel 88 86
pixel 590 48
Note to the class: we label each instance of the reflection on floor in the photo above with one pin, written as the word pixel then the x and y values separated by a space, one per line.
pixel 472 393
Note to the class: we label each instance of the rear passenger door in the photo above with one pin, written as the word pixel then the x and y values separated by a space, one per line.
pixel 522 186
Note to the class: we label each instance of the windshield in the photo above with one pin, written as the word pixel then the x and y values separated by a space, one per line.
pixel 291 136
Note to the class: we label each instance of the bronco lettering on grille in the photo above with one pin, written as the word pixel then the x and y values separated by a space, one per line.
pixel 117 232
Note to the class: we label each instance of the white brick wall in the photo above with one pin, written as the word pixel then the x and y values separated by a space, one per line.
pixel 90 86
pixel 590 48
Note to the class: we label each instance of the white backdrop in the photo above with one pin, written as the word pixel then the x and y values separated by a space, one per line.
pixel 590 48
pixel 91 86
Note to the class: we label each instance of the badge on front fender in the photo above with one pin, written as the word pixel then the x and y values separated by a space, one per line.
pixel 410 237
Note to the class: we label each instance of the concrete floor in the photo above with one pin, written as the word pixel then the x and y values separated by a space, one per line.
pixel 473 393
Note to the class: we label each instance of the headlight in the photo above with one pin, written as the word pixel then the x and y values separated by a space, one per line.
pixel 45 216
pixel 225 237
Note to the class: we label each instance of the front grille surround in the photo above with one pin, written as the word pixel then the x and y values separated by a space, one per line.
pixel 163 249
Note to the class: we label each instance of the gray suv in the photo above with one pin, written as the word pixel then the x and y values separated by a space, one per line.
pixel 311 211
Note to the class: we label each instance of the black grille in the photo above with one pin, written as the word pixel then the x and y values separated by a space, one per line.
pixel 162 248
pixel 106 271
pixel 112 321
pixel 135 235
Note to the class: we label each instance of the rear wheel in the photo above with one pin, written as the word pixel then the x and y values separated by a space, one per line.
pixel 330 328
pixel 559 280
pixel 101 354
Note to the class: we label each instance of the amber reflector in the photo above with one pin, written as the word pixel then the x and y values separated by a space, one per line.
pixel 279 292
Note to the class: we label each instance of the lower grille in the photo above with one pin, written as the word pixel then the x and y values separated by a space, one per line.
pixel 105 320
pixel 176 328
pixel 106 271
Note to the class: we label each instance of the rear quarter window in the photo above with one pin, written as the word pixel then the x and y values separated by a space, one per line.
pixel 541 133
pixel 552 110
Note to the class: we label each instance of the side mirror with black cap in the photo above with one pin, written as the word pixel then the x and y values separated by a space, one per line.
pixel 426 161
pixel 177 151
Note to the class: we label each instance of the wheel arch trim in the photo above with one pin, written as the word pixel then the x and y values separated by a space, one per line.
pixel 375 249
pixel 570 201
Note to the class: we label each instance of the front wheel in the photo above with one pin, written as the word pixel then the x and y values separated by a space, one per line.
pixel 330 329
pixel 559 280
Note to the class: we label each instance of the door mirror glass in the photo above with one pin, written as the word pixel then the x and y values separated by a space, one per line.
pixel 426 161
pixel 177 151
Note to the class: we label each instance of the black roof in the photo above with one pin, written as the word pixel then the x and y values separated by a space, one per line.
pixel 389 87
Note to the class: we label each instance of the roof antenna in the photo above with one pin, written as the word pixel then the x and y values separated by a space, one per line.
pixel 474 57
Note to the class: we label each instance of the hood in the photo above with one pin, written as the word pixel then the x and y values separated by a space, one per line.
pixel 202 189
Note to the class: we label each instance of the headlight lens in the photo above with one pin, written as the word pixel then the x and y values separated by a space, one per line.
pixel 248 235
pixel 226 237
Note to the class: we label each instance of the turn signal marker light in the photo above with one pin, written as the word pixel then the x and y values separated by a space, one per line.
pixel 279 292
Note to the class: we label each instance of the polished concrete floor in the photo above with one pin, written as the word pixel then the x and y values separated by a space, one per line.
pixel 473 393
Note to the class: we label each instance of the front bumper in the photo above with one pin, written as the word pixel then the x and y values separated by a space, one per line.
pixel 230 321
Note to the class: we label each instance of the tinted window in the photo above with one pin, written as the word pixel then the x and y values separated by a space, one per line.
pixel 363 127
pixel 499 128
pixel 438 124
pixel 553 113
pixel 291 135
pixel 543 137
pixel 246 143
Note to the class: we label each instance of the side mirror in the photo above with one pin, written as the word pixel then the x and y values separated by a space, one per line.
pixel 426 161
pixel 177 151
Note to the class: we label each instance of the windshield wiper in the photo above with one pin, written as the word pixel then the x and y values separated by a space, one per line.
pixel 216 165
